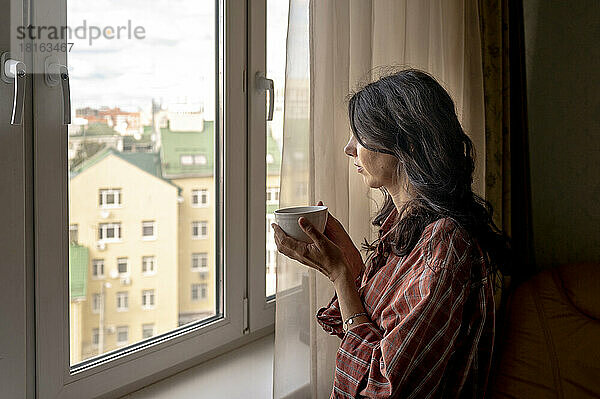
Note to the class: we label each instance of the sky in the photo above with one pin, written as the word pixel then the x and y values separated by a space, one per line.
pixel 173 63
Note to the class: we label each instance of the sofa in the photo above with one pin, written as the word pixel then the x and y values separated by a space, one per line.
pixel 548 340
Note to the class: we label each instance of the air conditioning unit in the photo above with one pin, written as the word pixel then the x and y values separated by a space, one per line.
pixel 125 281
pixel 110 329
pixel 100 245
pixel 104 214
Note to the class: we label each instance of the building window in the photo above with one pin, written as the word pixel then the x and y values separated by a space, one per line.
pixel 200 262
pixel 95 336
pixel 73 234
pixel 147 330
pixel 200 198
pixel 149 230
pixel 110 198
pixel 148 299
pixel 122 335
pixel 273 195
pixel 200 229
pixel 200 159
pixel 186 160
pixel 122 266
pixel 109 232
pixel 96 303
pixel 270 158
pixel 122 301
pixel 98 268
pixel 199 291
pixel 148 264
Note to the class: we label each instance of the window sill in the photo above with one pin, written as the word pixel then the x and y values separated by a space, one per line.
pixel 250 362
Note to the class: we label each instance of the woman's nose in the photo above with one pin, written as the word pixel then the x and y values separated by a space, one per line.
pixel 350 148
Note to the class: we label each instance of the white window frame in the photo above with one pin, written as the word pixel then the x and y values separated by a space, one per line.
pixel 153 262
pixel 96 302
pixel 145 325
pixel 148 223
pixel 199 224
pixel 146 295
pixel 197 193
pixel 74 227
pixel 104 193
pixel 200 159
pixel 183 159
pixel 120 372
pixel 95 263
pixel 128 271
pixel 121 329
pixel 103 232
pixel 272 192
pixel 200 256
pixel 122 296
pixel 95 334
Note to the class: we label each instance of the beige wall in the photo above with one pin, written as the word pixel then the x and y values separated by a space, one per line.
pixel 187 246
pixel 144 197
pixel 562 53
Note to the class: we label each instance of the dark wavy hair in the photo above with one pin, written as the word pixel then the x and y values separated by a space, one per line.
pixel 409 115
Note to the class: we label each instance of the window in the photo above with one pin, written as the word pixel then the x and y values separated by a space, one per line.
pixel 200 229
pixel 98 268
pixel 96 303
pixel 109 198
pixel 148 265
pixel 149 230
pixel 73 234
pixel 200 262
pixel 200 159
pixel 147 330
pixel 122 301
pixel 273 195
pixel 199 291
pixel 109 232
pixel 186 160
pixel 95 336
pixel 148 299
pixel 122 266
pixel 122 335
pixel 200 198
pixel 112 117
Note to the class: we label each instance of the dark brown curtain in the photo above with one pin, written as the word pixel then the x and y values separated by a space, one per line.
pixel 507 177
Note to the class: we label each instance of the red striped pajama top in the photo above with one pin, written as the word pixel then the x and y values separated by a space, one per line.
pixel 431 332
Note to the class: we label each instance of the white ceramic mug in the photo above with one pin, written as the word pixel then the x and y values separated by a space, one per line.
pixel 287 219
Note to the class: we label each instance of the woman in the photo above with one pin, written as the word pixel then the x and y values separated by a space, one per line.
pixel 418 320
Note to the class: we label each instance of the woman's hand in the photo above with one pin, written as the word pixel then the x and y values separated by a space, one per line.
pixel 335 231
pixel 322 254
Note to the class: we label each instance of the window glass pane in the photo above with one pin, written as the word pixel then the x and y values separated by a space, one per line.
pixel 277 19
pixel 141 158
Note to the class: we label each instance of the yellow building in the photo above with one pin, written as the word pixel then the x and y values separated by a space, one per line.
pixel 187 158
pixel 147 222
pixel 127 216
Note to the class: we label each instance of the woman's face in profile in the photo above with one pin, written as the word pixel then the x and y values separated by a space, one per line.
pixel 377 168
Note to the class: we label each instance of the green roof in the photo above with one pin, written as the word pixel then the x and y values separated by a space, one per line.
pixel 78 266
pixel 97 129
pixel 149 162
pixel 174 145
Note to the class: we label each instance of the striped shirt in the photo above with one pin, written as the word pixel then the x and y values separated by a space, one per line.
pixel 431 328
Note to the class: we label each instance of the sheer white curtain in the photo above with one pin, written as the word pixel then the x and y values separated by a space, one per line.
pixel 333 46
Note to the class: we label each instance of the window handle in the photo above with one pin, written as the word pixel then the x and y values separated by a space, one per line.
pixel 59 74
pixel 14 71
pixel 266 84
